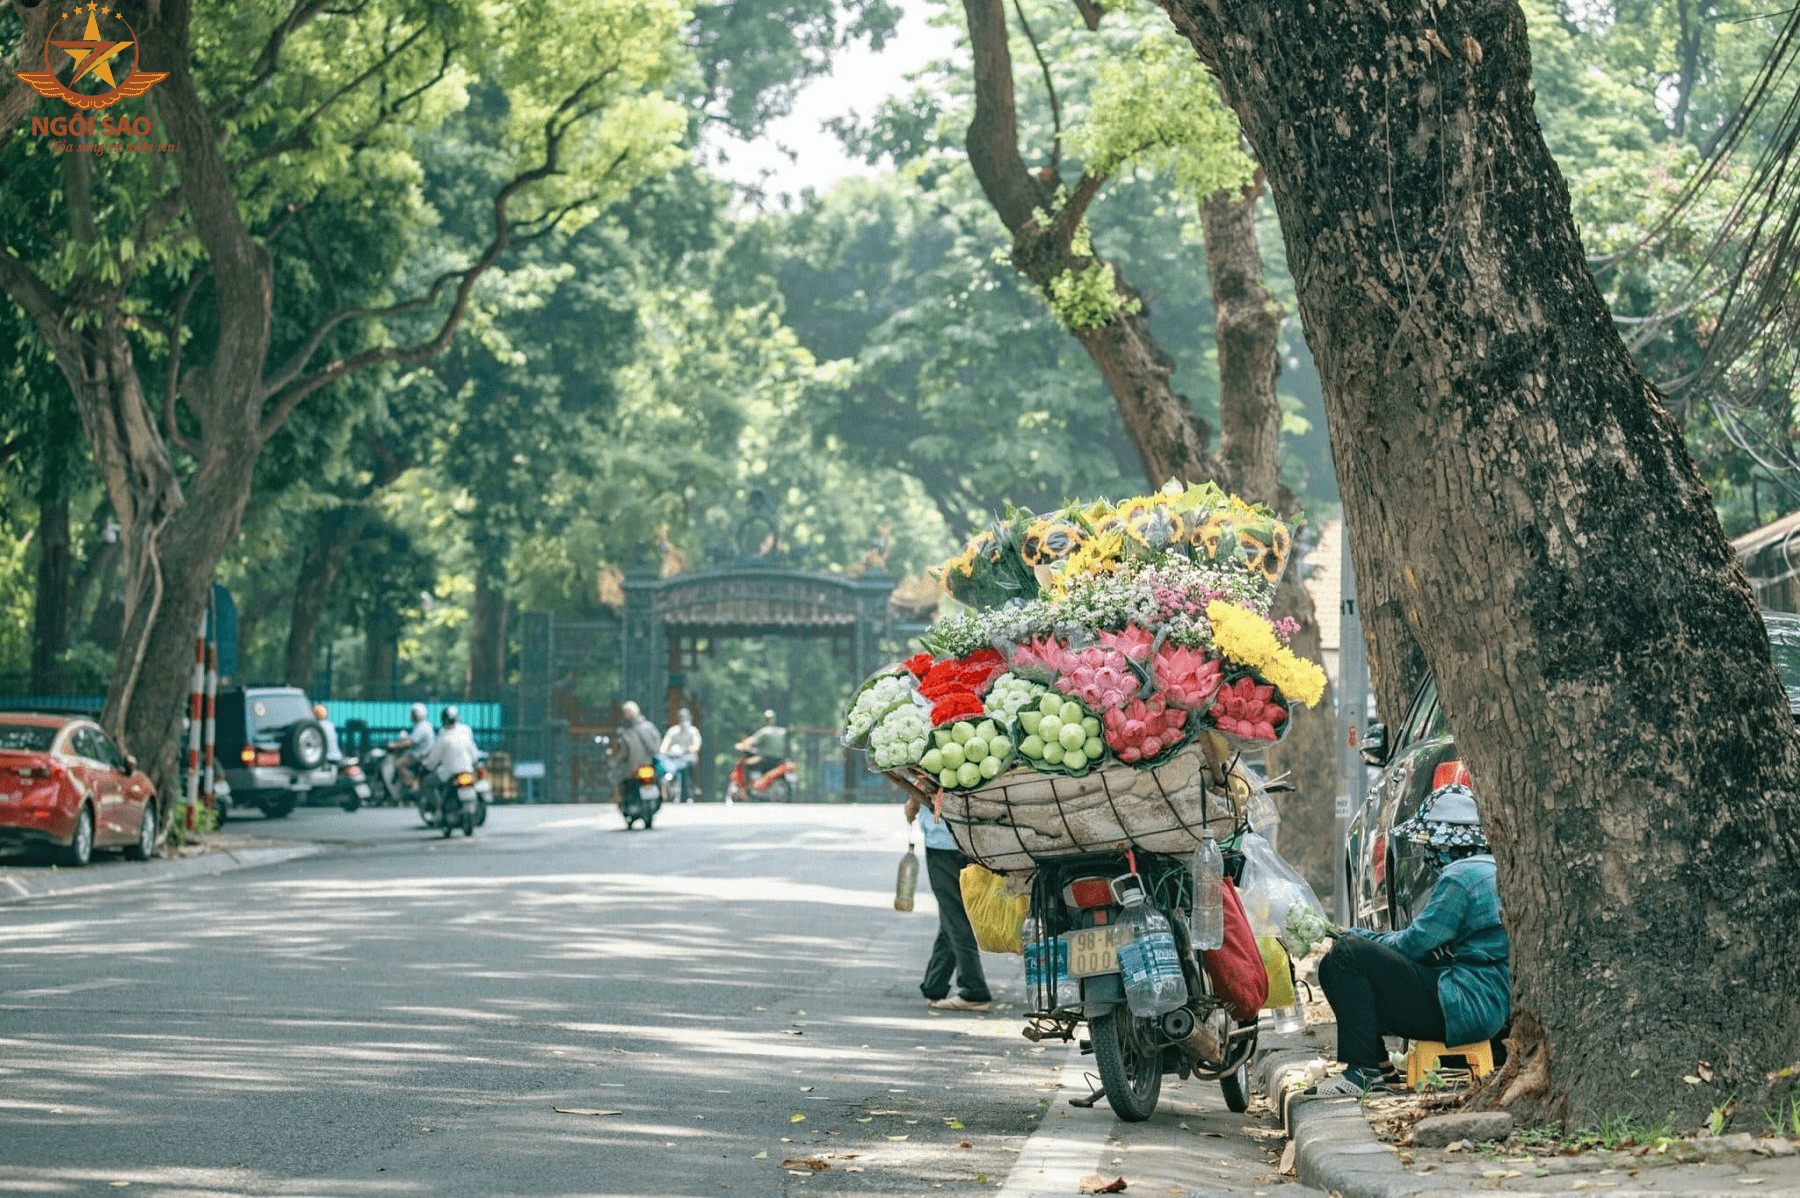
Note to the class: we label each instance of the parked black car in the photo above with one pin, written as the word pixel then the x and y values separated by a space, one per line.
pixel 1388 883
pixel 270 749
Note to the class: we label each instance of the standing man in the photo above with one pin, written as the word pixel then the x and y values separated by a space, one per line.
pixel 334 753
pixel 680 750
pixel 955 952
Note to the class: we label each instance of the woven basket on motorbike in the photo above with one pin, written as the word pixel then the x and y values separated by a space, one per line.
pixel 1023 816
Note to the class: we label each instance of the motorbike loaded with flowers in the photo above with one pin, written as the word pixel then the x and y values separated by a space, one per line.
pixel 1079 725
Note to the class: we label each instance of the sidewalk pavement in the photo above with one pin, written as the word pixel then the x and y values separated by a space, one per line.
pixel 1335 1148
pixel 218 854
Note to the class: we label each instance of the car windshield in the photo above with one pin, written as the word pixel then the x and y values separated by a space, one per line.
pixel 25 738
pixel 278 710
pixel 1784 642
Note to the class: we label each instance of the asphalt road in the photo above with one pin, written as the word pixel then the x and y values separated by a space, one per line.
pixel 725 1005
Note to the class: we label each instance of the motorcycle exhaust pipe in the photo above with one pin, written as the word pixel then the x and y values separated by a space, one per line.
pixel 1196 1038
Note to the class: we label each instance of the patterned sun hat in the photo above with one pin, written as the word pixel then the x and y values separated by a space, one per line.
pixel 1446 820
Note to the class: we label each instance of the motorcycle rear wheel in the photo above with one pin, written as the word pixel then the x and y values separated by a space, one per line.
pixel 1236 1088
pixel 1130 1070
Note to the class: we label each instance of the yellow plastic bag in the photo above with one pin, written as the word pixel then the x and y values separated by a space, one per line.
pixel 995 916
pixel 1281 975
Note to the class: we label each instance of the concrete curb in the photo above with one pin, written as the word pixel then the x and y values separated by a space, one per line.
pixel 23 887
pixel 1335 1149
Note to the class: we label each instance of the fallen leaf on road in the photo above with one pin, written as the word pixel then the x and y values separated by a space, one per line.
pixel 1704 1069
pixel 896 1137
pixel 1093 1183
pixel 954 1124
pixel 806 1089
pixel 1691 1080
pixel 965 1144
pixel 853 1168
pixel 761 1156
pixel 796 1117
pixel 809 1164
pixel 792 1031
pixel 870 1119
pixel 1287 1158
pixel 580 1110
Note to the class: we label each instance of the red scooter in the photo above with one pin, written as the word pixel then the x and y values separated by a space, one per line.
pixel 760 781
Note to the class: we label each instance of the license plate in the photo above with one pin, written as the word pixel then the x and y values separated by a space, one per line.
pixel 1096 950
pixel 649 791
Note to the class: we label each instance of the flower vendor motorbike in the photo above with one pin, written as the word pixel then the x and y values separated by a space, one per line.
pixel 641 796
pixel 1080 917
pixel 764 781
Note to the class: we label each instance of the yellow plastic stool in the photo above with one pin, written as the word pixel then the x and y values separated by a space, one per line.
pixel 1423 1056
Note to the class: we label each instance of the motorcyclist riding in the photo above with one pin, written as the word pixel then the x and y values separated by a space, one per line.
pixel 638 742
pixel 406 751
pixel 452 752
pixel 767 747
pixel 680 750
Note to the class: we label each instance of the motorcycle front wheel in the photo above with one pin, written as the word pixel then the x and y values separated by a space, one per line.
pixel 1130 1070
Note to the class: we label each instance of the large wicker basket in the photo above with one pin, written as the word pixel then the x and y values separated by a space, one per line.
pixel 1024 816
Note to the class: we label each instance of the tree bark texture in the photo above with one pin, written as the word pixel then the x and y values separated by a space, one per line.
pixel 487 639
pixel 1247 320
pixel 1517 493
pixel 1171 439
pixel 335 532
pixel 51 617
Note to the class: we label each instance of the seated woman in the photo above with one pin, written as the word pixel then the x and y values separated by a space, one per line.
pixel 1445 977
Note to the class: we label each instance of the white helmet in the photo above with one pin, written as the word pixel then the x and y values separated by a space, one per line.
pixel 450 715
pixel 417 713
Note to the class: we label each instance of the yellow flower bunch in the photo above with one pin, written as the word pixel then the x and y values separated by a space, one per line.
pixel 1099 554
pixel 1247 639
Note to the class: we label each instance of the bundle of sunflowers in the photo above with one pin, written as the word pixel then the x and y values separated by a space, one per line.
pixel 1101 635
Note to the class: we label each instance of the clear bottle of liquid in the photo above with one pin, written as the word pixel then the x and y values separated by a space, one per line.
pixel 906 882
pixel 1151 970
pixel 1208 924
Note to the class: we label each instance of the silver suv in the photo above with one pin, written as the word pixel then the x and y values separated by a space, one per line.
pixel 270 749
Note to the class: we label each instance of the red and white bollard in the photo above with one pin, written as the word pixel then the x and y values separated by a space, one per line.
pixel 196 693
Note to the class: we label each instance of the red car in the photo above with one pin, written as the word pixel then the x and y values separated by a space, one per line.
pixel 65 786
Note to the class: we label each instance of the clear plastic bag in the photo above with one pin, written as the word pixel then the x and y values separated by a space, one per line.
pixel 1270 887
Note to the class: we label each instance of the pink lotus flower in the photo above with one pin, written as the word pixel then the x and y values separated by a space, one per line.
pixel 1247 710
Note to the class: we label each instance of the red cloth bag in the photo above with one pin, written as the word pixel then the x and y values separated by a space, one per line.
pixel 1236 967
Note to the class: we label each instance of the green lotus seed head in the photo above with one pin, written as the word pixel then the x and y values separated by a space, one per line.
pixel 962 730
pixel 968 774
pixel 1090 725
pixel 1072 737
pixel 1053 752
pixel 1051 703
pixel 1050 727
pixel 1075 759
pixel 933 761
pixel 947 777
pixel 975 749
pixel 1028 720
pixel 1093 748
pixel 990 767
pixel 1071 712
pixel 1032 747
pixel 952 755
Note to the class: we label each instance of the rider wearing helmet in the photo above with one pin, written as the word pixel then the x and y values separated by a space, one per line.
pixel 453 750
pixel 405 751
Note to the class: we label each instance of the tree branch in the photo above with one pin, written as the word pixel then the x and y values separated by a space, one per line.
pixel 299 137
pixel 171 377
pixel 290 393
pixel 993 138
pixel 1049 86
pixel 270 59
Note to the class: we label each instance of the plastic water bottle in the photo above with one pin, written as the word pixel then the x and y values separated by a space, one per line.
pixel 906 882
pixel 1208 925
pixel 1046 961
pixel 1151 970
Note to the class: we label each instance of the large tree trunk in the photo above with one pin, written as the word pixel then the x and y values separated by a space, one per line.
pixel 487 639
pixel 1248 323
pixel 51 619
pixel 1519 492
pixel 335 532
